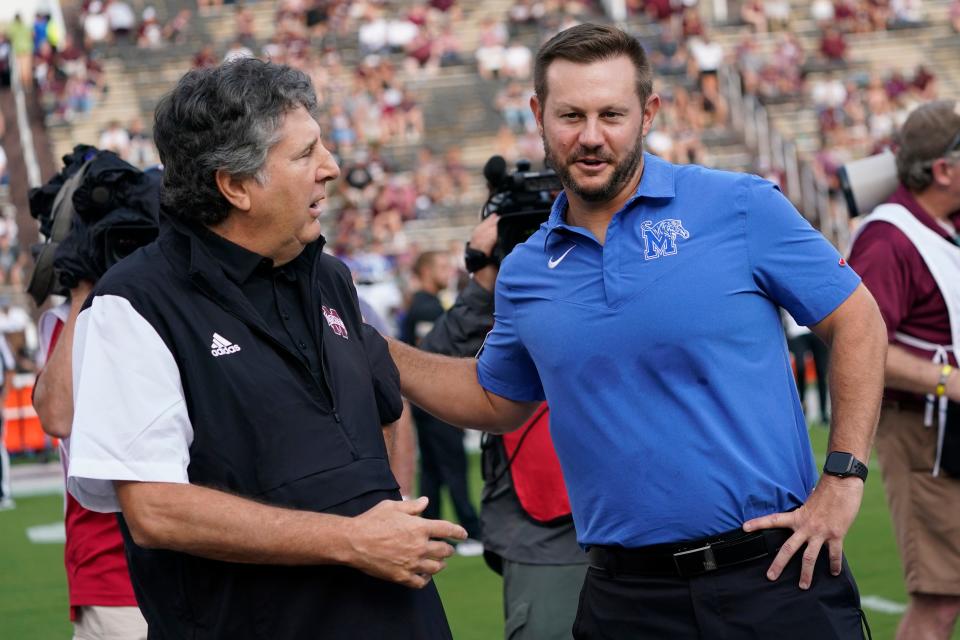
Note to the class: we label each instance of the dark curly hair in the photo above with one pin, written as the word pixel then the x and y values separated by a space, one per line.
pixel 228 118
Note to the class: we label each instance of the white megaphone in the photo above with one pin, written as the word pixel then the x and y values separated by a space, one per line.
pixel 868 182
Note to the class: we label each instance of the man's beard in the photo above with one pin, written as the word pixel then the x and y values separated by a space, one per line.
pixel 622 171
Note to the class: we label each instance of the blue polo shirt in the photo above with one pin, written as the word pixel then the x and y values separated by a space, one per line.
pixel 673 405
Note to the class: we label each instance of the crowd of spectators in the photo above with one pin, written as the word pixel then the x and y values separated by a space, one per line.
pixel 368 58
pixel 856 109
pixel 12 261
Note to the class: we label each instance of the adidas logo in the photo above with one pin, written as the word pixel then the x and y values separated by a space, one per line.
pixel 222 347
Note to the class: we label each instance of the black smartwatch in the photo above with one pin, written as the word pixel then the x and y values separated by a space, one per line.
pixel 843 464
pixel 474 259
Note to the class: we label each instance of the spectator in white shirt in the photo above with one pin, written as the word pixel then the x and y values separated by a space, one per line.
pixel 121 18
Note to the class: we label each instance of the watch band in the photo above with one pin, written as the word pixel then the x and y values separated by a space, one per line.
pixel 474 259
pixel 843 465
pixel 859 469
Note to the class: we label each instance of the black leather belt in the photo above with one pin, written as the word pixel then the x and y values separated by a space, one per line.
pixel 693 558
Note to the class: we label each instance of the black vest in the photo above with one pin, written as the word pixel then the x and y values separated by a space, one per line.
pixel 265 428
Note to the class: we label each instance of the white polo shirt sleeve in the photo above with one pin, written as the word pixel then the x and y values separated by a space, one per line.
pixel 130 418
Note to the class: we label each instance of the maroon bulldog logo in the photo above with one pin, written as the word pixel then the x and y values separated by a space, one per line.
pixel 333 319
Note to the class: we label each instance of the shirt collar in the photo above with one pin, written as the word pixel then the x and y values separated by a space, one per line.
pixel 657 181
pixel 905 198
pixel 237 263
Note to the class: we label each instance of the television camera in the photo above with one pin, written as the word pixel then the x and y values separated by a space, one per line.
pixel 522 198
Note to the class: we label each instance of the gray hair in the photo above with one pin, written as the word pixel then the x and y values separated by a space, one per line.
pixel 225 118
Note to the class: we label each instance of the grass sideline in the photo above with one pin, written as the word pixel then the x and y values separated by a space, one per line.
pixel 33 591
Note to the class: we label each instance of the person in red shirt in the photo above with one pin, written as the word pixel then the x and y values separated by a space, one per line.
pixel 102 602
pixel 908 254
pixel 833 46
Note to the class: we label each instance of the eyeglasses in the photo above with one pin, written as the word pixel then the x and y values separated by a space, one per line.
pixel 952 148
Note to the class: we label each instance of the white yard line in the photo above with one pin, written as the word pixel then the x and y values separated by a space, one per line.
pixel 47 533
pixel 882 605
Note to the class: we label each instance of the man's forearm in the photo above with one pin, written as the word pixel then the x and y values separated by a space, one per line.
pixel 217 525
pixel 53 391
pixel 389 541
pixel 858 346
pixel 908 372
pixel 447 387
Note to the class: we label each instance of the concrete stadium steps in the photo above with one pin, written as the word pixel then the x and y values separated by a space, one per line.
pixel 728 152
pixel 439 233
pixel 220 23
pixel 120 103
pixel 459 106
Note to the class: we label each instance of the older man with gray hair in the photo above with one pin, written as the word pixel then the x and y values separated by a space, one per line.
pixel 229 398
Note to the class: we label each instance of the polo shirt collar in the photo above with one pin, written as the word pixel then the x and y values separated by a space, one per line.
pixel 238 264
pixel 657 181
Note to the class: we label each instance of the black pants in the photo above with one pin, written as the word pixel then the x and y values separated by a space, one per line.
pixel 737 603
pixel 443 462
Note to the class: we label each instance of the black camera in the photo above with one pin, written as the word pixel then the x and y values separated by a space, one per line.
pixel 522 198
pixel 92 214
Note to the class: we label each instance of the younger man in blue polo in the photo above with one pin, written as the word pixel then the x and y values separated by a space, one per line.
pixel 645 311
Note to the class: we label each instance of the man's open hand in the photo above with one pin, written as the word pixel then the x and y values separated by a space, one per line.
pixel 392 542
pixel 825 518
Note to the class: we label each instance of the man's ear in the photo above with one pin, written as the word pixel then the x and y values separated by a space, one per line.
pixel 650 112
pixel 537 109
pixel 235 190
pixel 941 170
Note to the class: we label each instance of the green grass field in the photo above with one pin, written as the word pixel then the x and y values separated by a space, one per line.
pixel 33 591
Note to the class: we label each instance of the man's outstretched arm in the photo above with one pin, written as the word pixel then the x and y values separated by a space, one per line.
pixel 448 388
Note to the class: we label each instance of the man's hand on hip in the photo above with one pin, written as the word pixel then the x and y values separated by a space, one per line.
pixel 392 542
pixel 824 519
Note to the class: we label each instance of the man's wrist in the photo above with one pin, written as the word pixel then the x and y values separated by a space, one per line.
pixel 947 373
pixel 486 278
pixel 952 390
pixel 476 259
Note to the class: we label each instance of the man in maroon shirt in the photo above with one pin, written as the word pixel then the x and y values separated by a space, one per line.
pixel 908 254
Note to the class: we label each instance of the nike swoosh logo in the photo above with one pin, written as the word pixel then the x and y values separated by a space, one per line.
pixel 552 264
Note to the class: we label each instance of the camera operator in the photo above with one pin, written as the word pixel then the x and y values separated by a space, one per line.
pixel 541 564
pixel 125 215
pixel 908 254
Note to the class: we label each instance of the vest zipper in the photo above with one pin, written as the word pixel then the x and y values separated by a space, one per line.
pixel 315 306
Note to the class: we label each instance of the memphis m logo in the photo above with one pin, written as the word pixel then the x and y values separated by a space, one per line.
pixel 660 239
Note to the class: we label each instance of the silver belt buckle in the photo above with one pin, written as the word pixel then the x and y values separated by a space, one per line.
pixel 709 561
